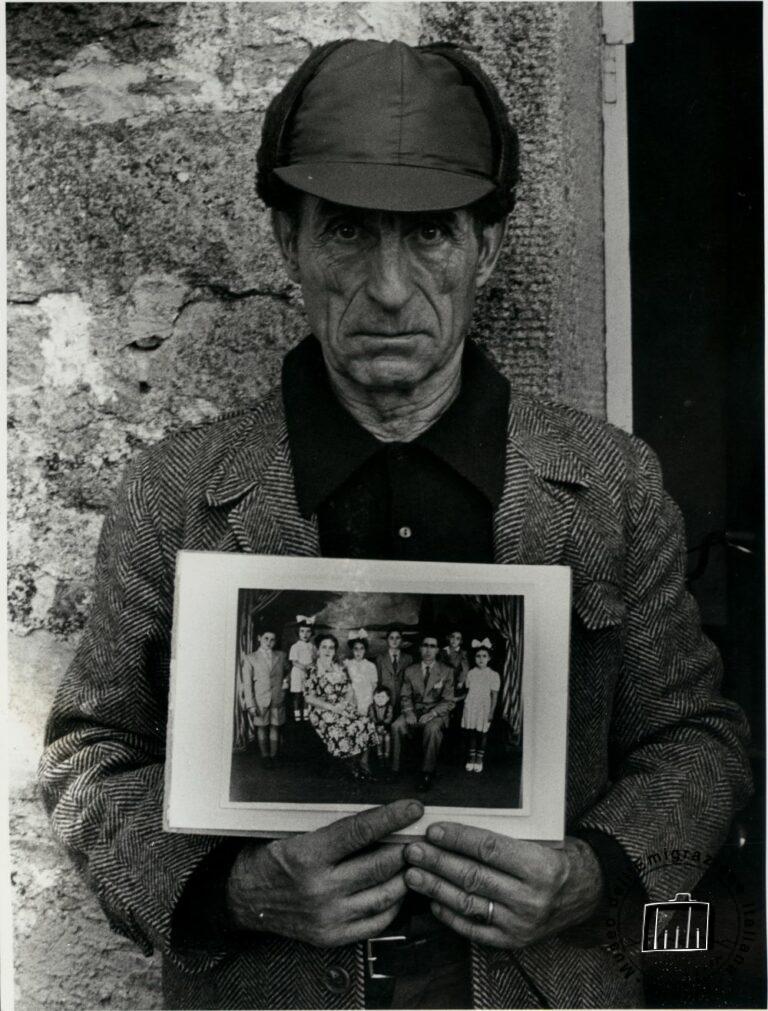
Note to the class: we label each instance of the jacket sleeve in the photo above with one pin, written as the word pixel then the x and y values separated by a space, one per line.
pixel 101 774
pixel 406 695
pixel 679 768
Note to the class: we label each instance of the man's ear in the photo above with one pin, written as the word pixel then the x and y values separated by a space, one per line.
pixel 490 243
pixel 286 233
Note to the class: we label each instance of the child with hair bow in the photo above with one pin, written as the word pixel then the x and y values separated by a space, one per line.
pixel 362 673
pixel 302 655
pixel 483 686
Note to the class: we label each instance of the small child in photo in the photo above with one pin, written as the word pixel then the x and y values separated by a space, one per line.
pixel 381 712
pixel 483 685
pixel 456 657
pixel 301 656
pixel 263 671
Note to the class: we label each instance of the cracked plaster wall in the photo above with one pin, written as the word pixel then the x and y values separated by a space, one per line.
pixel 145 293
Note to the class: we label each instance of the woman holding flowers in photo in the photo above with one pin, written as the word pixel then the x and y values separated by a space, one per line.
pixel 333 711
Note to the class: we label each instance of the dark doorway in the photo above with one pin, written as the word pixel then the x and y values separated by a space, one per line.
pixel 696 184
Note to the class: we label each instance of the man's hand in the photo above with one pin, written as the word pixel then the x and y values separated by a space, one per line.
pixel 410 718
pixel 426 717
pixel 329 887
pixel 536 890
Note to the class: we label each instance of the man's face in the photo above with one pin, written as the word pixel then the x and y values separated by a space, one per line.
pixel 428 649
pixel 393 640
pixel 388 295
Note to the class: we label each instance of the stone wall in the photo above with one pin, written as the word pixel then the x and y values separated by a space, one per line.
pixel 145 292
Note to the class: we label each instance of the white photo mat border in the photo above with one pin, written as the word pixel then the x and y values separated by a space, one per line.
pixel 201 702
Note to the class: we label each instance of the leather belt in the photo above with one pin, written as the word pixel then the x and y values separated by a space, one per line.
pixel 396 955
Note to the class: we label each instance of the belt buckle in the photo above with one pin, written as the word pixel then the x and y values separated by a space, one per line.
pixel 370 958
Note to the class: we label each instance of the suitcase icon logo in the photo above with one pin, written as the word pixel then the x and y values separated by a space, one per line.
pixel 681 924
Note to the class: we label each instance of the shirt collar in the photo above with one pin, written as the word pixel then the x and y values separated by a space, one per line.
pixel 328 445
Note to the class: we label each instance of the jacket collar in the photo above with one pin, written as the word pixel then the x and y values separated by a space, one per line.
pixel 545 444
pixel 543 471
pixel 252 450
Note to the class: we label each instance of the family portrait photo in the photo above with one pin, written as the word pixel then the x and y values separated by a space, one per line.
pixel 306 689
pixel 372 695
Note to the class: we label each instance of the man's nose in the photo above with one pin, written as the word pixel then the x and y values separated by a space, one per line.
pixel 389 273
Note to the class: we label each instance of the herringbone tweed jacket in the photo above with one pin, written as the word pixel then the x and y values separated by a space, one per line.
pixel 655 755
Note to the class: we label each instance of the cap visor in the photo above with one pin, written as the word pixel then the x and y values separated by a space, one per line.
pixel 386 187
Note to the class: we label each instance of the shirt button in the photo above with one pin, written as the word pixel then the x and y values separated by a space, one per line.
pixel 405 532
pixel 337 979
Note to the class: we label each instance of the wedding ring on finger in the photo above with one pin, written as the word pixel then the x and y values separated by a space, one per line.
pixel 485 918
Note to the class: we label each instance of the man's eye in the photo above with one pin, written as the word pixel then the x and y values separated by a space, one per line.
pixel 347 231
pixel 429 232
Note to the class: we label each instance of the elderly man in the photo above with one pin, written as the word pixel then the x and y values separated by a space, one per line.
pixel 390 171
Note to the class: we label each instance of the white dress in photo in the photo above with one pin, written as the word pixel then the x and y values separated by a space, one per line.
pixel 301 652
pixel 480 682
pixel 363 675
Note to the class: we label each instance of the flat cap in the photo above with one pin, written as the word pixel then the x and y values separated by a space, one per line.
pixel 388 126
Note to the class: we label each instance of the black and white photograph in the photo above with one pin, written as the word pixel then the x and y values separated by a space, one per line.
pixel 385 430
pixel 370 696
pixel 375 683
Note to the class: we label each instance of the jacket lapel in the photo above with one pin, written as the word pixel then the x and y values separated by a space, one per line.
pixel 435 675
pixel 417 680
pixel 541 487
pixel 254 485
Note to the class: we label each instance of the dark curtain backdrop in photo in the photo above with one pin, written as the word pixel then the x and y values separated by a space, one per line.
pixel 696 190
pixel 342 613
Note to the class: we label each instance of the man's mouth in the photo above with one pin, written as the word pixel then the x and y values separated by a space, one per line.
pixel 387 335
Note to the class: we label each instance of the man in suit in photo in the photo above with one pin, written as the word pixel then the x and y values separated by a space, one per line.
pixel 390 171
pixel 426 703
pixel 391 666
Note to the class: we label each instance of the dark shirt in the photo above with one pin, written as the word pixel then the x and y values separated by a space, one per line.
pixel 427 500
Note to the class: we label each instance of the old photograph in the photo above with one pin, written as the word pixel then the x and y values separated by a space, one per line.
pixel 370 696
pixel 374 683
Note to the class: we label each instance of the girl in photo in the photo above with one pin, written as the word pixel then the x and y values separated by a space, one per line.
pixel 301 656
pixel 333 712
pixel 362 672
pixel 483 686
